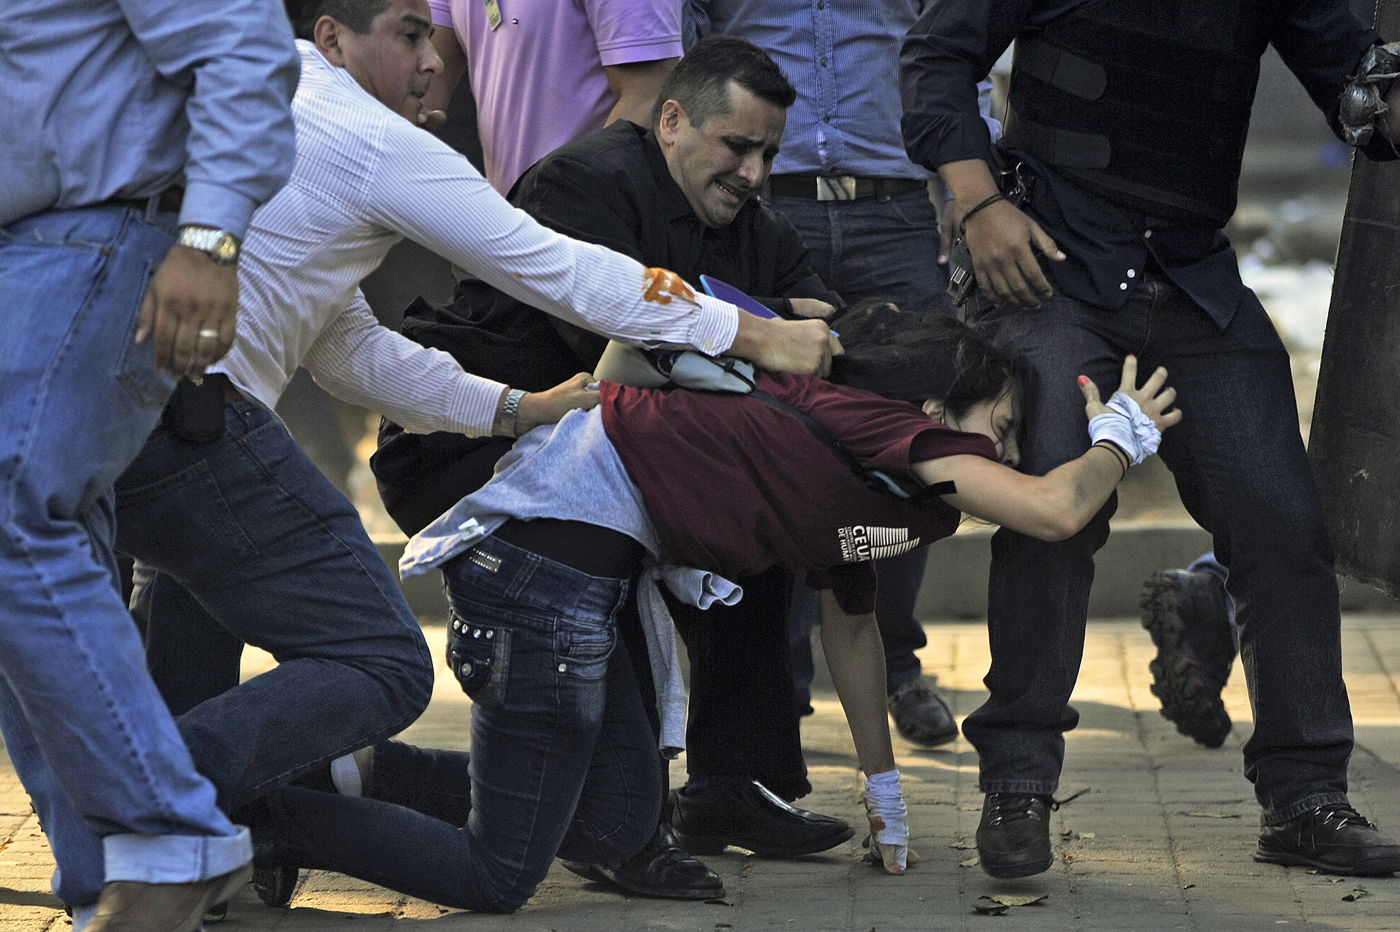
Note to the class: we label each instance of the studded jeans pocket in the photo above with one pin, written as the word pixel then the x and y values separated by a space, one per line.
pixel 479 656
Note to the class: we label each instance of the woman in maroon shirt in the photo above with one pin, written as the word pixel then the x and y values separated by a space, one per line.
pixel 734 485
pixel 563 759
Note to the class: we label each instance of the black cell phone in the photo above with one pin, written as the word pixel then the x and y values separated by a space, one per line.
pixel 195 413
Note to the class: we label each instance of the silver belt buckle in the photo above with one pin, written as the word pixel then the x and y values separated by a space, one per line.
pixel 836 187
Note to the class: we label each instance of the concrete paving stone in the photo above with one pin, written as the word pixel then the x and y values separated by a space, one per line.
pixel 1354 924
pixel 1138 923
pixel 782 869
pixel 1376 904
pixel 1107 870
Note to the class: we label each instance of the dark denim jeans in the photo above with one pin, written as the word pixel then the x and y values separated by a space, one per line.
pixel 1241 470
pixel 874 247
pixel 563 761
pixel 273 553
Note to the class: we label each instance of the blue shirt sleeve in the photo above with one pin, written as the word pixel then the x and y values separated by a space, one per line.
pixel 113 99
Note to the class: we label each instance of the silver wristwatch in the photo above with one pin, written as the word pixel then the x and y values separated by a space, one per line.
pixel 510 409
pixel 221 245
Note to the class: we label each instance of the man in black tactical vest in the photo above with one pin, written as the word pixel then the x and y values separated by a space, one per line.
pixel 1126 127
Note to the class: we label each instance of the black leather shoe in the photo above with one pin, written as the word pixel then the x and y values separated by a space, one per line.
pixel 757 819
pixel 1335 839
pixel 661 869
pixel 920 716
pixel 275 885
pixel 1185 612
pixel 1013 838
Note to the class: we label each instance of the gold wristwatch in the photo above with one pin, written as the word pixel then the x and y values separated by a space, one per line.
pixel 221 245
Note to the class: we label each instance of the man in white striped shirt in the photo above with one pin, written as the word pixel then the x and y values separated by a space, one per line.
pixel 238 536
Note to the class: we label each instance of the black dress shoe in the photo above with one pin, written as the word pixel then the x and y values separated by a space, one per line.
pixel 275 885
pixel 1335 839
pixel 920 715
pixel 661 869
pixel 756 819
pixel 1013 838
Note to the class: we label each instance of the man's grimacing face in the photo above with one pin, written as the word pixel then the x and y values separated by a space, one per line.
pixel 395 60
pixel 725 161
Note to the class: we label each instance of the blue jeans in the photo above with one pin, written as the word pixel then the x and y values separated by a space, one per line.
pixel 1241 470
pixel 254 544
pixel 563 761
pixel 86 730
pixel 874 247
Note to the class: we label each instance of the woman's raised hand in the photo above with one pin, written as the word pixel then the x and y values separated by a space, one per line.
pixel 1154 397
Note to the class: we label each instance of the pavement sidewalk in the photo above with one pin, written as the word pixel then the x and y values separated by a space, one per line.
pixel 1157 836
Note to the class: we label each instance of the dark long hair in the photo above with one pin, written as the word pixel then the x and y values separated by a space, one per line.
pixel 910 357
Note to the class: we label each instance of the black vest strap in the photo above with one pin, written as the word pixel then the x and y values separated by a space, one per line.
pixel 1146 98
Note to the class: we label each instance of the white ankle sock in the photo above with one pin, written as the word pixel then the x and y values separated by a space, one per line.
pixel 345 774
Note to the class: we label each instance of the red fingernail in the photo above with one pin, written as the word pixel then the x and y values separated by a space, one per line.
pixel 1083 380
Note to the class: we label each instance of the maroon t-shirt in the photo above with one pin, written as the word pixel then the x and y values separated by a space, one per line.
pixel 736 486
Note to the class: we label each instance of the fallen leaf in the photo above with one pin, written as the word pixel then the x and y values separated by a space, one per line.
pixel 970 862
pixel 1009 899
pixel 1210 815
pixel 1356 894
pixel 988 908
pixel 964 846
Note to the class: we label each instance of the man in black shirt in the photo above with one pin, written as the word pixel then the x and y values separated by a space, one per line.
pixel 679 196
pixel 1128 119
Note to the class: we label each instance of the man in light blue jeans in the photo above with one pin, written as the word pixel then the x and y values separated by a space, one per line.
pixel 148 133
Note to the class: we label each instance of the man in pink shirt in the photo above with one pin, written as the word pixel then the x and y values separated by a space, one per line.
pixel 537 86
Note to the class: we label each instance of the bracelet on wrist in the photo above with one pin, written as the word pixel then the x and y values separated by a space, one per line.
pixel 1118 454
pixel 981 205
pixel 510 410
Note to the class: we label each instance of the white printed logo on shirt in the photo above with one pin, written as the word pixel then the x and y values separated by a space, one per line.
pixel 860 543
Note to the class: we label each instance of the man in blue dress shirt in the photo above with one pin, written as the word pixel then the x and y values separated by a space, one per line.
pixel 864 210
pixel 140 136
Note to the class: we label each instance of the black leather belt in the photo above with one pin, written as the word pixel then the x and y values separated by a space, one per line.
pixel 168 201
pixel 840 187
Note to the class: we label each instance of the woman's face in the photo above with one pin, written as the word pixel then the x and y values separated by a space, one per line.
pixel 998 418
